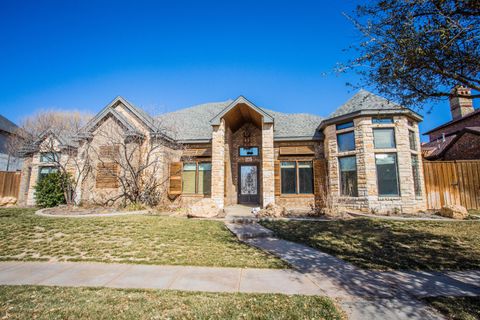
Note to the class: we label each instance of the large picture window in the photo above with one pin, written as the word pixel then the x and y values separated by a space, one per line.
pixel 348 176
pixel 197 177
pixel 346 141
pixel 387 174
pixel 296 177
pixel 384 138
pixel 416 175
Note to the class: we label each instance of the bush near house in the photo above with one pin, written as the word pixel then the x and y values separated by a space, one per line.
pixel 49 190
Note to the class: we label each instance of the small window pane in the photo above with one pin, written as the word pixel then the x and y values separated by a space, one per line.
pixel 384 138
pixel 305 177
pixel 345 125
pixel 416 175
pixel 348 176
pixel 248 151
pixel 44 171
pixel 413 141
pixel 49 157
pixel 382 120
pixel 346 141
pixel 289 177
pixel 204 178
pixel 188 177
pixel 387 174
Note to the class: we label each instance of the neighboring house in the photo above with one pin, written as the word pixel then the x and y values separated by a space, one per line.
pixel 7 161
pixel 365 156
pixel 458 139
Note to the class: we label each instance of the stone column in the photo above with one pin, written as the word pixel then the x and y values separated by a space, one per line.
pixel 218 164
pixel 268 175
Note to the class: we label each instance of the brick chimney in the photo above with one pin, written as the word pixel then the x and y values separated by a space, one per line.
pixel 461 106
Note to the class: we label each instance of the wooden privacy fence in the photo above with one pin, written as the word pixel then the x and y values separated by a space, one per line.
pixel 452 182
pixel 9 184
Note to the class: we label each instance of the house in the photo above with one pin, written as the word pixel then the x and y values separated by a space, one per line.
pixel 458 139
pixel 365 156
pixel 7 161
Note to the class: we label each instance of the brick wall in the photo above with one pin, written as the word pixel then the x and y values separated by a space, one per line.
pixel 467 147
pixel 470 121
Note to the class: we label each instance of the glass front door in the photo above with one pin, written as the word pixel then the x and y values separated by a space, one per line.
pixel 248 184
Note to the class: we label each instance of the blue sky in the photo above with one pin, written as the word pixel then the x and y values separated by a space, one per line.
pixel 164 55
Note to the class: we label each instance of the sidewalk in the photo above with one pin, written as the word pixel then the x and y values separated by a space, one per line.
pixel 76 274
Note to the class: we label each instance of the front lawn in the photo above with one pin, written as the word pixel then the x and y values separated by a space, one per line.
pixel 380 244
pixel 457 308
pixel 126 239
pixel 35 302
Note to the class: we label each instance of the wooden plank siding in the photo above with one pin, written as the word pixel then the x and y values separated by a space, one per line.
pixel 9 184
pixel 452 182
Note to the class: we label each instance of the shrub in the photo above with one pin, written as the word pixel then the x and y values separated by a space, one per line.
pixel 49 191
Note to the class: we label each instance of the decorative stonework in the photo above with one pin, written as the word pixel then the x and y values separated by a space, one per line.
pixel 218 164
pixel 268 181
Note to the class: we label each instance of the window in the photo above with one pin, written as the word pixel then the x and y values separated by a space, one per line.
pixel 296 177
pixel 382 120
pixel 345 125
pixel 248 151
pixel 44 171
pixel 387 174
pixel 305 177
pixel 197 177
pixel 346 141
pixel 413 141
pixel 384 138
pixel 289 177
pixel 49 157
pixel 348 176
pixel 416 175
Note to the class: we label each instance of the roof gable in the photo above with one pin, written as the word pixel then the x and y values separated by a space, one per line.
pixel 109 110
pixel 241 100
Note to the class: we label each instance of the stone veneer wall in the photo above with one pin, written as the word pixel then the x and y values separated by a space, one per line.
pixel 268 158
pixel 368 199
pixel 218 164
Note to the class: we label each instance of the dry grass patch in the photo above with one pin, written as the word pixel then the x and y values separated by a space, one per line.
pixel 35 302
pixel 125 239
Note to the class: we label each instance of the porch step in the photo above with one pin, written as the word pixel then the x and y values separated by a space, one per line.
pixel 241 219
pixel 249 231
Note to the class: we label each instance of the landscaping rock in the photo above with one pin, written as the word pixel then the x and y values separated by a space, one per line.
pixel 205 208
pixel 273 210
pixel 7 201
pixel 453 212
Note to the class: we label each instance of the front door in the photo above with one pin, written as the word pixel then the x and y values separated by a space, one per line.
pixel 248 183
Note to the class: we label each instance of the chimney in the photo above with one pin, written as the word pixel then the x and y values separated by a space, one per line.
pixel 461 106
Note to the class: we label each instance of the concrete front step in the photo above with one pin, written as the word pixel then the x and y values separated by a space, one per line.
pixel 241 220
pixel 249 231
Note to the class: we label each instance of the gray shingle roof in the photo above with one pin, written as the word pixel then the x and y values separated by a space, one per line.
pixel 194 123
pixel 7 125
pixel 364 100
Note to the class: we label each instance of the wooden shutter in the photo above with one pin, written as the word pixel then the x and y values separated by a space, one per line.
pixel 278 189
pixel 175 180
pixel 107 175
pixel 297 150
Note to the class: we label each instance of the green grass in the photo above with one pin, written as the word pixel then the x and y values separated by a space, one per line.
pixel 125 239
pixel 383 245
pixel 457 308
pixel 34 302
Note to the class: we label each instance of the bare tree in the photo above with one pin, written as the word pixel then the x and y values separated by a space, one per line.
pixel 135 162
pixel 417 50
pixel 54 134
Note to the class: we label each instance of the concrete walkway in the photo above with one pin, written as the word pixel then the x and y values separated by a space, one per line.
pixel 79 274
pixel 366 294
